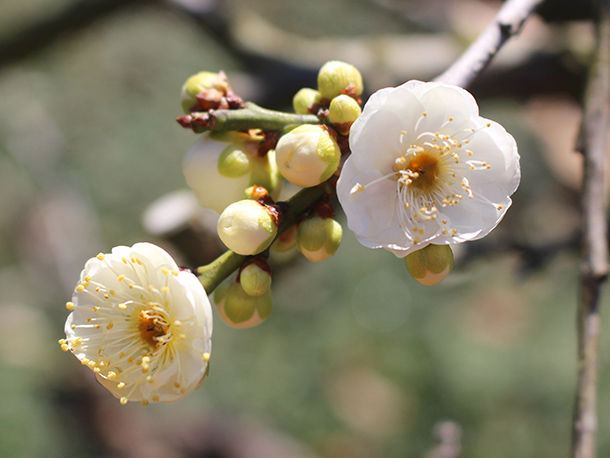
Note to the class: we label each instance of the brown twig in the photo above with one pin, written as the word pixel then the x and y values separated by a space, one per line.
pixel 508 22
pixel 594 268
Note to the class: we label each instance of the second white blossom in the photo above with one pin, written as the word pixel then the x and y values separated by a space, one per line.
pixel 426 169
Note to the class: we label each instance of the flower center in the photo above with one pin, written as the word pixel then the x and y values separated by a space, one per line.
pixel 152 328
pixel 420 171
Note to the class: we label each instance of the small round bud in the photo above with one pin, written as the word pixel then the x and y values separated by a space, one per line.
pixel 247 227
pixel 240 310
pixel 304 99
pixel 307 155
pixel 233 162
pixel 212 190
pixel 431 264
pixel 201 82
pixel 319 238
pixel 255 280
pixel 342 112
pixel 335 76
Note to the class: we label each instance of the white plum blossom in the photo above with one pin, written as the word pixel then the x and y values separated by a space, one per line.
pixel 426 169
pixel 141 324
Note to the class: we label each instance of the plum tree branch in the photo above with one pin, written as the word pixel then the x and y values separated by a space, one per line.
pixel 594 266
pixel 508 22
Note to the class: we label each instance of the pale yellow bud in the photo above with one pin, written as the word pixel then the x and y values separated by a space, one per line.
pixel 255 280
pixel 240 310
pixel 335 77
pixel 247 227
pixel 200 82
pixel 307 155
pixel 304 99
pixel 342 112
pixel 319 238
pixel 233 162
pixel 431 264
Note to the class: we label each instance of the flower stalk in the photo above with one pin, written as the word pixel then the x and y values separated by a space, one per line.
pixel 213 274
pixel 251 116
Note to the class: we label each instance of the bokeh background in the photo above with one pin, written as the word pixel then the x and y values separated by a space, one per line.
pixel 357 359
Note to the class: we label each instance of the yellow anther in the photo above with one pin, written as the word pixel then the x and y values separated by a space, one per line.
pixel 106 296
pixel 145 368
pixel 122 306
pixel 206 357
pixel 101 256
pixel 155 398
pixel 110 325
pixel 499 207
pixel 124 260
pixel 95 309
pixel 70 306
pixel 65 347
pixel 111 375
pixel 97 326
pixel 80 288
pixel 124 400
pixel 144 402
pixel 165 289
pixel 121 385
pixel 165 271
pixel 177 384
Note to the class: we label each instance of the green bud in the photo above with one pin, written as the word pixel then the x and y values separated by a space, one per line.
pixel 240 310
pixel 319 238
pixel 334 77
pixel 200 82
pixel 247 227
pixel 342 112
pixel 233 162
pixel 431 264
pixel 304 99
pixel 308 155
pixel 255 280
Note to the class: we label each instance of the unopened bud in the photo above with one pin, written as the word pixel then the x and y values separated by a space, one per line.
pixel 307 155
pixel 304 99
pixel 200 82
pixel 342 112
pixel 335 77
pixel 319 238
pixel 247 227
pixel 255 280
pixel 239 309
pixel 233 162
pixel 431 264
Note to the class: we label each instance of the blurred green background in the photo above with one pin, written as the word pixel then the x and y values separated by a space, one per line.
pixel 357 359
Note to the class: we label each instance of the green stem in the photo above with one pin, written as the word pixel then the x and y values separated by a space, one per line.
pixel 250 117
pixel 213 274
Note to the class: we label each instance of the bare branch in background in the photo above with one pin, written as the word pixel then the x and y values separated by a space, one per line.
pixel 594 267
pixel 508 22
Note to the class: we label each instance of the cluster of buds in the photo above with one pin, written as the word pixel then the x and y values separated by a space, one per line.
pixel 246 301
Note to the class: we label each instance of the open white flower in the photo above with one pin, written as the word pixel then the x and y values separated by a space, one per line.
pixel 426 169
pixel 142 325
